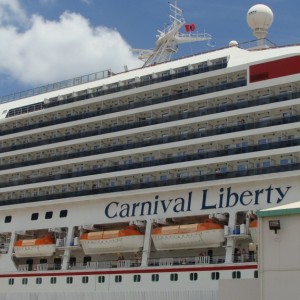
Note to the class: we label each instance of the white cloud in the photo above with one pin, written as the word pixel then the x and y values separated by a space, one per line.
pixel 11 12
pixel 49 51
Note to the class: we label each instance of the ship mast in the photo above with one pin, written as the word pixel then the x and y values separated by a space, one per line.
pixel 169 39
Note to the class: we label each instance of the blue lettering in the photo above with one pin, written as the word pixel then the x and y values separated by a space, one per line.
pixel 244 195
pixel 204 198
pixel 179 206
pixel 107 210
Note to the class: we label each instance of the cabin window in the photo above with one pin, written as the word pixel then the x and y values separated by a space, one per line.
pixel 7 219
pixel 57 263
pixel 255 274
pixel 63 213
pixel 69 280
pixel 38 280
pixel 49 215
pixel 43 260
pixel 155 277
pixel 85 279
pixel 193 276
pixel 236 275
pixel 101 279
pixel 136 278
pixel 118 278
pixel 11 281
pixel 53 280
pixel 86 259
pixel 215 275
pixel 24 281
pixel 174 277
pixel 34 216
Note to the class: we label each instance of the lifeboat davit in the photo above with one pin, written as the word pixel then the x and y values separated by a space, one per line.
pixel 253 229
pixel 112 241
pixel 43 246
pixel 199 235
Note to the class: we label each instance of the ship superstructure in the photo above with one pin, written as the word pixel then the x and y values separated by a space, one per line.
pixel 146 183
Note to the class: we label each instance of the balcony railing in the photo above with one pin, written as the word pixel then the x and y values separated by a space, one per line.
pixel 224 129
pixel 139 104
pixel 153 184
pixel 158 162
pixel 120 88
pixel 56 86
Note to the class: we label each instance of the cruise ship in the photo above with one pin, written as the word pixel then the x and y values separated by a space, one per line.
pixel 145 184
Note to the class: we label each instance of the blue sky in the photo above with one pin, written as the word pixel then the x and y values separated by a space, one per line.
pixel 44 41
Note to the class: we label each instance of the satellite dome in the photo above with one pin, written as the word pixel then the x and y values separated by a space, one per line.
pixel 233 44
pixel 260 17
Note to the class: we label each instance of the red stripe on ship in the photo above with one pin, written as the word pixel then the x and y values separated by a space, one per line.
pixel 120 272
pixel 275 69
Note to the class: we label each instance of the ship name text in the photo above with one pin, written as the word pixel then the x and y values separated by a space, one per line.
pixel 227 198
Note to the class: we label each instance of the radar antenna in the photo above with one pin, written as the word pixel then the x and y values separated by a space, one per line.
pixel 169 39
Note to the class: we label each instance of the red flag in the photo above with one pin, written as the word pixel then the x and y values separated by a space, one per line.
pixel 190 27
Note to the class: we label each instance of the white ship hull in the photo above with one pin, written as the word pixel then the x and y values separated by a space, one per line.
pixel 215 136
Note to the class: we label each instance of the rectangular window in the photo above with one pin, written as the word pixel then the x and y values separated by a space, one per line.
pixel 286 161
pixel 255 274
pixel 163 177
pixel 53 280
pixel 242 167
pixel 34 216
pixel 11 281
pixel 24 281
pixel 48 215
pixel 266 164
pixel 69 280
pixel 193 276
pixel 155 277
pixel 136 278
pixel 236 275
pixel 215 275
pixel 118 278
pixel 7 219
pixel 174 277
pixel 38 280
pixel 85 279
pixel 63 213
pixel 101 279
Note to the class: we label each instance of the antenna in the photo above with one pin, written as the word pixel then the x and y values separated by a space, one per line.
pixel 168 40
pixel 260 18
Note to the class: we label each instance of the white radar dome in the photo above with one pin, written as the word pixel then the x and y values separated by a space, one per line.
pixel 233 44
pixel 260 17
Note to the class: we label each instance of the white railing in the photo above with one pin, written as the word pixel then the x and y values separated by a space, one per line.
pixel 202 260
pixel 131 263
pixel 123 263
pixel 23 268
pixel 42 267
pixel 244 257
pixel 166 261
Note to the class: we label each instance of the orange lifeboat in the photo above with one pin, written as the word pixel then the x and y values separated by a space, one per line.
pixel 199 235
pixel 112 241
pixel 42 246
pixel 253 229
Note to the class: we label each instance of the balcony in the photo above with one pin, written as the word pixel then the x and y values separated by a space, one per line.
pixel 152 163
pixel 154 184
